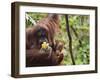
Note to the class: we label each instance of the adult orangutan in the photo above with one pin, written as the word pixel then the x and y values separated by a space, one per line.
pixel 44 32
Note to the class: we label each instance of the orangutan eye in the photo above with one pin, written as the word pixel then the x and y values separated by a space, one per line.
pixel 39 33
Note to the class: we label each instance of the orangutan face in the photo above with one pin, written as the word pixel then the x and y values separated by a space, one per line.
pixel 41 36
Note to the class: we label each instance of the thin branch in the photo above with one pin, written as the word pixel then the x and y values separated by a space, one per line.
pixel 76 34
pixel 30 19
pixel 70 39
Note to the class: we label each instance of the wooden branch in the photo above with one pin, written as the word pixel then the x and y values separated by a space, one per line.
pixel 76 34
pixel 70 39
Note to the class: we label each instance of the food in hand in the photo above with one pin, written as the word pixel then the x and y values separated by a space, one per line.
pixel 45 48
pixel 45 45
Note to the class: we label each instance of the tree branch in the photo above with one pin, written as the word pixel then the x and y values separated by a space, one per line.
pixel 70 39
pixel 76 36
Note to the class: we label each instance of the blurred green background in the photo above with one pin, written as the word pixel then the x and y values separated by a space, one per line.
pixel 79 29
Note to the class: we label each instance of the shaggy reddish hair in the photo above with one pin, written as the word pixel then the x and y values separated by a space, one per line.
pixel 33 57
